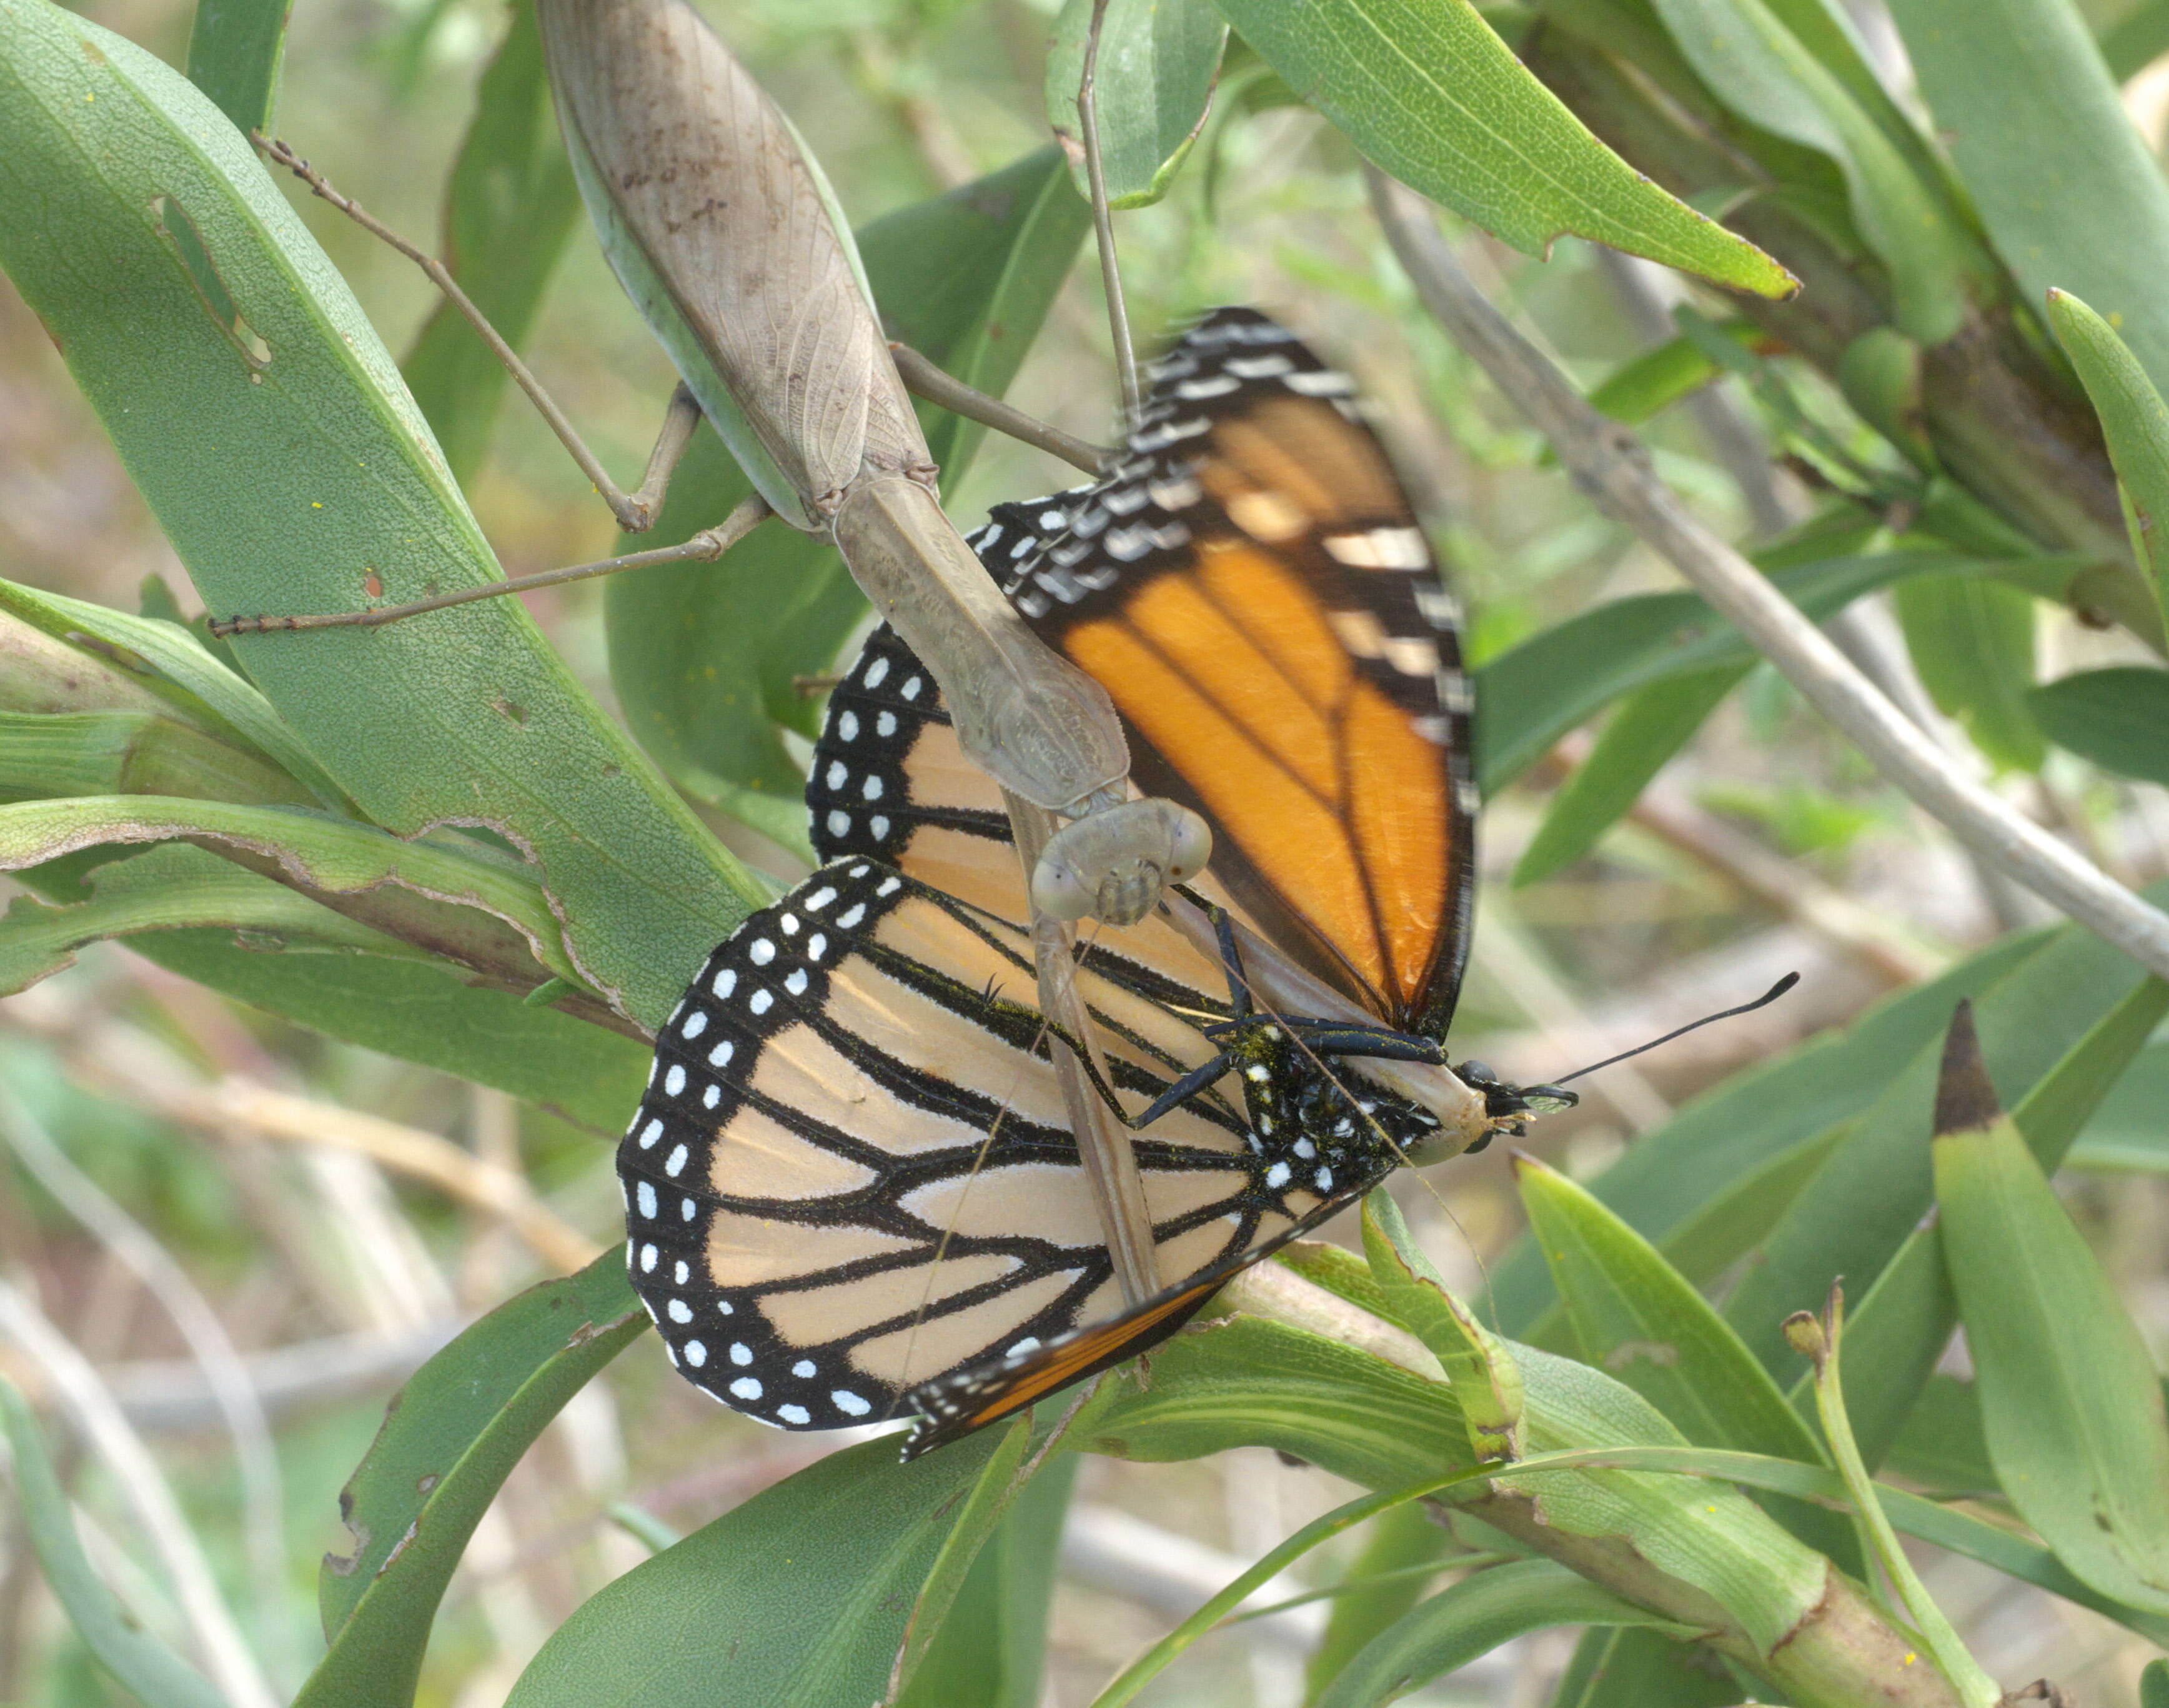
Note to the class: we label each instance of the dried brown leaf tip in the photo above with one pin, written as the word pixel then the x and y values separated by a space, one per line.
pixel 1965 1096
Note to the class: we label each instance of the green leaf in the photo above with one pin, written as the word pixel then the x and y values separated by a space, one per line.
pixel 509 207
pixel 112 753
pixel 450 1438
pixel 2130 45
pixel 1244 1382
pixel 2117 718
pixel 1638 1317
pixel 2069 1395
pixel 2154 1684
pixel 1400 1542
pixel 288 466
pixel 1472 1618
pixel 1647 384
pixel 1631 1667
pixel 706 657
pixel 208 919
pixel 1485 1382
pixel 2127 1132
pixel 1535 693
pixel 169 889
pixel 1670 1178
pixel 166 661
pixel 1972 642
pixel 2134 421
pixel 424 891
pixel 1942 1447
pixel 2059 176
pixel 1895 1335
pixel 139 1664
pixel 1651 725
pixel 1432 95
pixel 234 49
pixel 991 1650
pixel 1004 1476
pixel 1759 69
pixel 1158 60
pixel 796 1599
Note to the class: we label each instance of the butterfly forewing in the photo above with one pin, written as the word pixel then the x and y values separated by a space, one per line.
pixel 1251 587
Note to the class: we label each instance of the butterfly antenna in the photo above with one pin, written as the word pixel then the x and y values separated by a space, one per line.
pixel 1764 1001
pixel 1103 223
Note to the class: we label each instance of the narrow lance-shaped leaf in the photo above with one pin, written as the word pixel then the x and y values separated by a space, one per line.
pixel 449 1441
pixel 1708 1151
pixel 2117 718
pixel 2136 424
pixel 2069 1393
pixel 1650 726
pixel 1470 1619
pixel 991 1650
pixel 1972 643
pixel 1430 94
pixel 445 900
pixel 1158 62
pixel 797 1599
pixel 1481 1370
pixel 1904 1321
pixel 235 47
pixel 265 944
pixel 1638 1318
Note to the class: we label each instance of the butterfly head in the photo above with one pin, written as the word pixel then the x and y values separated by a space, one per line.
pixel 1507 1107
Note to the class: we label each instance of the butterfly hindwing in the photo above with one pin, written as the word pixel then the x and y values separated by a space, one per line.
pixel 852 1171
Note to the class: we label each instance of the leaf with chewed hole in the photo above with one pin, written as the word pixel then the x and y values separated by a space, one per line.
pixel 451 1438
pixel 292 480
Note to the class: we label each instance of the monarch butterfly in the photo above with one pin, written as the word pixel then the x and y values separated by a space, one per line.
pixel 852 1189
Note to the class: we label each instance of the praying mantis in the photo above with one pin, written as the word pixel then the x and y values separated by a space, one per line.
pixel 721 229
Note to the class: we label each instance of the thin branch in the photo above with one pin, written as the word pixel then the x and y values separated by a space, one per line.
pixel 1612 465
pixel 226 1656
pixel 636 512
pixel 921 375
pixel 1103 221
pixel 705 546
pixel 263 1498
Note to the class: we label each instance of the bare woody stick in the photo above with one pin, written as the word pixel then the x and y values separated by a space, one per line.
pixel 1612 466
